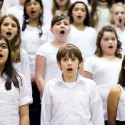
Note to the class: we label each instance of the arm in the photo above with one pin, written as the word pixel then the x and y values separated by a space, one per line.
pixel 24 114
pixel 39 72
pixel 87 75
pixel 112 103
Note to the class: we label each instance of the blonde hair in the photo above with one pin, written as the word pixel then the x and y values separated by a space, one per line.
pixel 16 41
pixel 119 4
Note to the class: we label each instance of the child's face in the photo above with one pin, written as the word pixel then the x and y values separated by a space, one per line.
pixel 61 3
pixel 69 67
pixel 3 52
pixel 108 43
pixel 61 29
pixel 9 28
pixel 79 13
pixel 118 16
pixel 33 9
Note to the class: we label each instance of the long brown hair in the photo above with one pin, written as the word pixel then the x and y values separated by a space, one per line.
pixel 98 51
pixel 15 44
pixel 10 73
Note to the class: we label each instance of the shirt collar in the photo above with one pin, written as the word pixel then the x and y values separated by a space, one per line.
pixel 60 79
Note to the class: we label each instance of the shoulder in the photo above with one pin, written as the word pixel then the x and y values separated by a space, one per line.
pixel 87 82
pixel 115 91
pixel 91 29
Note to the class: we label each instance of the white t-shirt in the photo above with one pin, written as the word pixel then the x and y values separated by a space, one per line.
pixel 31 42
pixel 48 51
pixel 23 66
pixel 76 105
pixel 104 15
pixel 85 40
pixel 11 100
pixel 17 11
pixel 47 13
pixel 121 105
pixel 105 73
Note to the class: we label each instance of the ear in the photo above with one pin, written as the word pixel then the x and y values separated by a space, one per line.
pixel 51 29
pixel 59 65
pixel 80 65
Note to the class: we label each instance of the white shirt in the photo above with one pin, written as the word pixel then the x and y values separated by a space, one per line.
pixel 76 105
pixel 105 73
pixel 11 100
pixel 17 11
pixel 48 51
pixel 31 42
pixel 104 15
pixel 23 67
pixel 85 40
pixel 121 36
pixel 121 104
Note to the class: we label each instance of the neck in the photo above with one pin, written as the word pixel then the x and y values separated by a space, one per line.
pixel 58 43
pixel 109 57
pixel 62 8
pixel 1 69
pixel 79 26
pixel 33 22
pixel 69 79
pixel 122 28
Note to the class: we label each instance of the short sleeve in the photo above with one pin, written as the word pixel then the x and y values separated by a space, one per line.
pixel 42 50
pixel 24 97
pixel 88 65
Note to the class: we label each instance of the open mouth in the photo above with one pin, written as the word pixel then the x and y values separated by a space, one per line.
pixel 120 20
pixel 32 12
pixel 62 32
pixel 110 47
pixel 79 17
pixel 69 69
pixel 8 33
pixel 1 55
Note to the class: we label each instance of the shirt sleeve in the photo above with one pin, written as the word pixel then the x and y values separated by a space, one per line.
pixel 25 67
pixel 25 96
pixel 96 106
pixel 88 65
pixel 46 112
pixel 42 50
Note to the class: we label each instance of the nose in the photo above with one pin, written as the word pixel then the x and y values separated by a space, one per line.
pixel 110 41
pixel 69 62
pixel 9 27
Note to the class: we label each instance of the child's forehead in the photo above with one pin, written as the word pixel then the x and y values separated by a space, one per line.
pixel 69 55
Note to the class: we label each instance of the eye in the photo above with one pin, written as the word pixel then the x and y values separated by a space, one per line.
pixel 73 59
pixel 14 25
pixel 65 59
pixel 4 46
pixel 5 24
